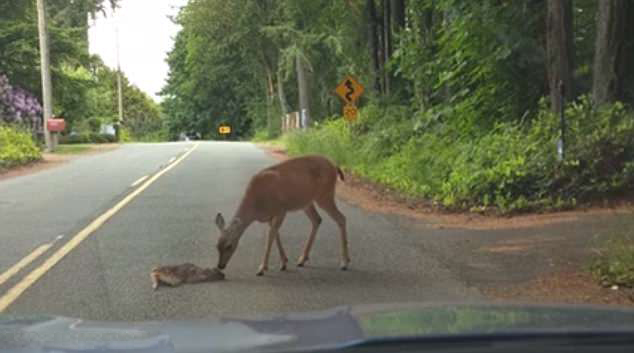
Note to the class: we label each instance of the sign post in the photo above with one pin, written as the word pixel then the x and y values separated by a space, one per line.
pixel 349 90
pixel 55 126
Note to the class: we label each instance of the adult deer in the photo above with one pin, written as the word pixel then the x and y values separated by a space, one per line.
pixel 295 184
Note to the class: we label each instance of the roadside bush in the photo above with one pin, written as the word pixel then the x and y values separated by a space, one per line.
pixel 87 138
pixel 614 265
pixel 512 167
pixel 16 147
pixel 125 135
pixel 155 136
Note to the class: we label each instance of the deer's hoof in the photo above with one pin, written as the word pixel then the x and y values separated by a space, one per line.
pixel 260 273
pixel 283 267
pixel 302 260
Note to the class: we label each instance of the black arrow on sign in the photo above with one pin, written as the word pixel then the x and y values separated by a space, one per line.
pixel 350 88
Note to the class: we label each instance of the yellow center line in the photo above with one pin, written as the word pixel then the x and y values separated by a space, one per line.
pixel 139 181
pixel 14 293
pixel 24 262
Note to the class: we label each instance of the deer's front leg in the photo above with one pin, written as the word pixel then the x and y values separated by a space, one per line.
pixel 267 251
pixel 280 249
pixel 275 223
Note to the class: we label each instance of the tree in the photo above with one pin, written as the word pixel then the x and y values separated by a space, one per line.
pixel 560 50
pixel 609 63
pixel 373 43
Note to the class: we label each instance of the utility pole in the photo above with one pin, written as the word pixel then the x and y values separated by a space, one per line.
pixel 47 95
pixel 119 90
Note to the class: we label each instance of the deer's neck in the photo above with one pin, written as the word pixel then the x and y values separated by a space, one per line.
pixel 242 219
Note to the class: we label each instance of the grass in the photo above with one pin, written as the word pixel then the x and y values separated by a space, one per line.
pixel 262 137
pixel 614 264
pixel 73 148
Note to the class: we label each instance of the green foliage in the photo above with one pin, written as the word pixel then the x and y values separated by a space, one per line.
pixel 87 138
pixel 72 149
pixel 16 147
pixel 512 167
pixel 614 265
pixel 84 89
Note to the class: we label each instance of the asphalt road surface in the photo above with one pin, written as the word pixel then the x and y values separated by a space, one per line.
pixel 171 221
pixel 106 277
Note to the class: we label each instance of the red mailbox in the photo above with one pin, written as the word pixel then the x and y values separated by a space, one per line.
pixel 55 125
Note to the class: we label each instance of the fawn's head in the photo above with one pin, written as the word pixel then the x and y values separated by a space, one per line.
pixel 228 240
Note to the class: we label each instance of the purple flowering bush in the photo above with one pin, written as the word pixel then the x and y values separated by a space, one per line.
pixel 20 115
pixel 18 106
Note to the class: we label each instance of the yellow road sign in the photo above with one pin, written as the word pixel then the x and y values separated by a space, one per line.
pixel 349 90
pixel 224 129
pixel 350 112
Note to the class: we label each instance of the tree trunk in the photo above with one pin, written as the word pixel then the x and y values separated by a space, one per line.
pixel 270 97
pixel 628 56
pixel 280 93
pixel 398 14
pixel 560 50
pixel 387 45
pixel 607 85
pixel 373 43
pixel 302 86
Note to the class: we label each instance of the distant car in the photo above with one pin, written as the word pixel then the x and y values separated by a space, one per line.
pixel 189 136
pixel 107 129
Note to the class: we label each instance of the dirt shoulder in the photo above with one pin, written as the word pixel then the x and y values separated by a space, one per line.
pixel 52 160
pixel 564 287
pixel 525 258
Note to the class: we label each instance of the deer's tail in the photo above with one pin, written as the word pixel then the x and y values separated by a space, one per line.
pixel 340 172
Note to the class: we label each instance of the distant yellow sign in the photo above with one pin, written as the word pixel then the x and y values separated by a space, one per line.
pixel 349 90
pixel 350 112
pixel 224 130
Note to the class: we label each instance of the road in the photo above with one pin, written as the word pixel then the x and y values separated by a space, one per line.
pixel 168 217
pixel 170 222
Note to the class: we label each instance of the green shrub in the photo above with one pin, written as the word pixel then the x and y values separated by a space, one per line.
pixel 512 167
pixel 87 138
pixel 260 135
pixel 614 265
pixel 125 135
pixel 16 147
pixel 155 136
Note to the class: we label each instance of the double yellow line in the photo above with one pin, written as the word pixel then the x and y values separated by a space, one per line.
pixel 14 293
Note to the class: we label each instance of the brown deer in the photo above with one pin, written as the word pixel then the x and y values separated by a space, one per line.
pixel 295 184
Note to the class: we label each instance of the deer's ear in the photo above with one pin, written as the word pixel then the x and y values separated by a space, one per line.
pixel 220 221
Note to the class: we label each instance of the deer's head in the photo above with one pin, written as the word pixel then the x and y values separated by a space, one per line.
pixel 228 240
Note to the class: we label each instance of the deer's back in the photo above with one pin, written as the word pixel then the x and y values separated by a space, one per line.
pixel 292 184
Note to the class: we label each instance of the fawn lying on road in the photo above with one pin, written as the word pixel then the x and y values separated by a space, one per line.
pixel 176 275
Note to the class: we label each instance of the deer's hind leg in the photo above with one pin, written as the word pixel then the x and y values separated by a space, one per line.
pixel 327 203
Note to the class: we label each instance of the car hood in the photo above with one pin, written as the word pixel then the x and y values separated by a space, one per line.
pixel 337 327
